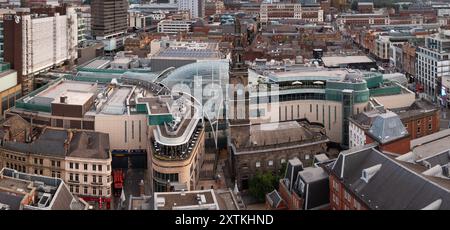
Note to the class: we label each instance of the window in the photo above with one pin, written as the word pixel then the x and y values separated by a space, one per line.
pixel 71 188
pixel 99 167
pixel 85 167
pixel 58 164
pixel 125 132
pixel 357 205
pixel 430 126
pixel 346 196
pixel 100 178
pixel 132 129
pixel 94 179
pixel 270 163
pixel 100 192
pixel 58 174
pixel 53 163
pixel 258 164
pixel 108 167
pixel 335 185
pixel 108 179
pixel 94 191
pixel 77 166
pixel 71 177
pixel 418 122
pixel 35 161
pixel 41 161
pixel 418 130
pixel 71 165
pixel 140 130
pixel 94 167
pixel 85 178
pixel 53 174
pixel 77 189
pixel 41 172
pixel 7 164
pixel 35 171
pixel 77 177
pixel 85 190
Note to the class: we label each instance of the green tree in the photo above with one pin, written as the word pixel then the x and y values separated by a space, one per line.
pixel 261 184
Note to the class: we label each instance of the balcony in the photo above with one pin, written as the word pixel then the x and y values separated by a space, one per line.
pixel 97 183
pixel 180 152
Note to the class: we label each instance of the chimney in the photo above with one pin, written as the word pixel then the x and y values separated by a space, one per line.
pixel 68 140
pixel 141 188
pixel 7 129
pixel 63 99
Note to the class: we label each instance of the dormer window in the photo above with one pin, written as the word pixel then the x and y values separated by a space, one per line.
pixel 368 173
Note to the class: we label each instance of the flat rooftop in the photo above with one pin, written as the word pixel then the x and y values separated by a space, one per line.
pixel 312 174
pixel 191 200
pixel 77 92
pixel 431 144
pixel 98 64
pixel 336 61
pixel 116 104
pixel 309 73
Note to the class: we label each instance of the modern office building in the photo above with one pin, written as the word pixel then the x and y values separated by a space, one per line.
pixel 433 63
pixel 174 26
pixel 37 41
pixel 10 90
pixel 196 8
pixel 109 18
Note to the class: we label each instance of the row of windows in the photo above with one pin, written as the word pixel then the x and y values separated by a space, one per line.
pixel 94 167
pixel 172 177
pixel 14 157
pixel 95 178
pixel 20 168
pixel 95 191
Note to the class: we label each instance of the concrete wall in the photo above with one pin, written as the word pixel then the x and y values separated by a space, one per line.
pixel 115 126
pixel 329 114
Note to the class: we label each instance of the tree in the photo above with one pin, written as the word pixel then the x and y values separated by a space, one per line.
pixel 261 184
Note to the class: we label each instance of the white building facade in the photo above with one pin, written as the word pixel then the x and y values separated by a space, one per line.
pixel 196 8
pixel 433 63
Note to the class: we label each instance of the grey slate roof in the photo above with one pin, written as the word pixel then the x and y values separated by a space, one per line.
pixel 394 186
pixel 13 201
pixel 49 143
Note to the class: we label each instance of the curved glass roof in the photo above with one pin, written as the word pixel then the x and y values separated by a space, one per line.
pixel 209 72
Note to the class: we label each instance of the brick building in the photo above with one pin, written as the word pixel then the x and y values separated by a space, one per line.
pixel 364 178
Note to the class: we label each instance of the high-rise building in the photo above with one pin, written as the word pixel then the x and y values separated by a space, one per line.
pixel 433 62
pixel 109 18
pixel 196 8
pixel 37 41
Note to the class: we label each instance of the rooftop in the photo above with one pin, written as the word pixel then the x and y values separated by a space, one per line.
pixel 312 174
pixel 380 190
pixel 336 61
pixel 387 127
pixel 187 200
pixel 33 192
